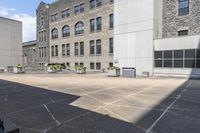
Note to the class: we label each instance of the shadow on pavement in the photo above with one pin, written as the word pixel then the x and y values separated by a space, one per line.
pixel 36 110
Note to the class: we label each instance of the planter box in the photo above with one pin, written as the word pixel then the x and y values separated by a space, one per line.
pixel 114 73
pixel 18 70
pixel 81 71
pixel 49 70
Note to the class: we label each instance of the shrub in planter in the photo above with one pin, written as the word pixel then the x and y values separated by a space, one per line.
pixel 53 68
pixel 18 69
pixel 80 69
pixel 113 71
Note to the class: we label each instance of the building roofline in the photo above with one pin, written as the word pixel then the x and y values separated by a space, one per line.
pixel 29 43
pixel 10 19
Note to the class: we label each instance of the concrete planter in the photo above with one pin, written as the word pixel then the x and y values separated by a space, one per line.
pixel 82 71
pixel 114 72
pixel 49 70
pixel 18 70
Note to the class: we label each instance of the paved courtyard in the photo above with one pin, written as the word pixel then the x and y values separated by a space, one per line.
pixel 94 103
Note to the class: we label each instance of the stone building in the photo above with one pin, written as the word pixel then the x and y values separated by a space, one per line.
pixel 43 55
pixel 81 33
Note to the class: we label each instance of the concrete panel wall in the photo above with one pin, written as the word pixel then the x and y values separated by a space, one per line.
pixel 133 35
pixel 10 42
pixel 187 42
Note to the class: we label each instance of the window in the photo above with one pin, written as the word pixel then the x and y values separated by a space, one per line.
pixel 158 55
pixel 68 49
pixel 178 58
pixel 68 65
pixel 110 64
pixel 182 32
pixel 54 17
pixel 40 52
pixel 111 1
pixel 65 31
pixel 52 51
pixel 99 24
pixel 92 4
pixel 45 35
pixel 76 10
pixel 92 48
pixel 111 45
pixel 56 50
pixel 81 48
pixel 45 51
pixel 66 13
pixel 82 64
pixel 111 21
pixel 98 66
pixel 99 3
pixel 98 47
pixel 183 7
pixel 82 8
pixel 189 58
pixel 76 49
pixel 92 25
pixel 79 28
pixel 92 66
pixel 76 64
pixel 63 50
pixel 54 33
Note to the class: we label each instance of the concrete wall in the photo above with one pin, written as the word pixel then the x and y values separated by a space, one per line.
pixel 10 42
pixel 133 34
pixel 187 42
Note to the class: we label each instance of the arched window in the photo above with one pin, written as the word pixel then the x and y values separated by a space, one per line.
pixel 65 31
pixel 54 33
pixel 79 28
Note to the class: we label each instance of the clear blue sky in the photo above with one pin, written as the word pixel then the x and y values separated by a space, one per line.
pixel 23 6
pixel 22 10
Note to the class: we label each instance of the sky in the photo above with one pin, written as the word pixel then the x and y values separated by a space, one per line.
pixel 22 10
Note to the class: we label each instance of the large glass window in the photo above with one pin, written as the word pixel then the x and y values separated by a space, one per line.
pixel 183 7
pixel 158 58
pixel 54 33
pixel 65 31
pixel 178 58
pixel 189 58
pixel 79 28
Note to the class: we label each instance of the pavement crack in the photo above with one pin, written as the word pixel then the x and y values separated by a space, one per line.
pixel 6 97
pixel 52 116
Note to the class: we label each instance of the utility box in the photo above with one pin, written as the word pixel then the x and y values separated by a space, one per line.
pixel 129 72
